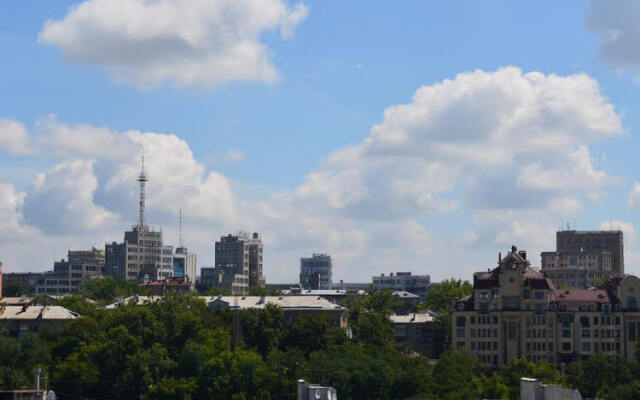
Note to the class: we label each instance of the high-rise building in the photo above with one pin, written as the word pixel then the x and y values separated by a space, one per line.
pixel 232 264
pixel 403 282
pixel 184 264
pixel 142 256
pixel 316 272
pixel 256 278
pixel 583 257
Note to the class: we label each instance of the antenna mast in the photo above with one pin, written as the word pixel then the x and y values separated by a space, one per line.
pixel 181 228
pixel 142 178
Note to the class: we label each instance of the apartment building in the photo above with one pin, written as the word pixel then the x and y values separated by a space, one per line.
pixel 584 257
pixel 68 275
pixel 316 272
pixel 403 281
pixel 516 311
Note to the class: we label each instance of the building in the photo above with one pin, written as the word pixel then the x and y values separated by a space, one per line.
pixel 310 391
pixel 256 277
pixel 27 280
pixel 171 285
pixel 18 320
pixel 583 257
pixel 404 281
pixel 185 264
pixel 316 272
pixel 68 275
pixel 231 270
pixel 532 389
pixel 292 306
pixel 414 331
pixel 351 286
pixel 516 311
pixel 142 256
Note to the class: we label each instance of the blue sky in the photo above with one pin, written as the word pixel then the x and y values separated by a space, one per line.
pixel 343 66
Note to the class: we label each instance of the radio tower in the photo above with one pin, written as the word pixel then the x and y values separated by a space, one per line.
pixel 142 178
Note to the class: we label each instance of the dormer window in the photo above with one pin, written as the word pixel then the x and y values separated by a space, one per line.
pixel 495 293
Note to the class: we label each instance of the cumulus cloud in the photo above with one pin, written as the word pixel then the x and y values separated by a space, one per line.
pixel 187 42
pixel 507 150
pixel 616 23
pixel 634 195
pixel 14 138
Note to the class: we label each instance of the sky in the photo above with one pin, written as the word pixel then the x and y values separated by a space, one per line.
pixel 423 136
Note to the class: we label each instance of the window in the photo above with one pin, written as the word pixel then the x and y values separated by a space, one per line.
pixel 472 332
pixel 586 346
pixel 566 333
pixel 566 346
pixel 495 320
pixel 460 321
pixel 495 293
pixel 586 333
pixel 584 321
pixel 472 320
pixel 539 295
pixel 526 294
pixel 460 332
pixel 631 331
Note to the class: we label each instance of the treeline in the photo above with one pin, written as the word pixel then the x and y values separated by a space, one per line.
pixel 178 349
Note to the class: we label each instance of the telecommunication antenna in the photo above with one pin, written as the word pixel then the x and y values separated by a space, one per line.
pixel 142 179
pixel 181 228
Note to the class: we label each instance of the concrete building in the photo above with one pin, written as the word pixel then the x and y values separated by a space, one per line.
pixel 256 277
pixel 27 280
pixel 185 264
pixel 516 311
pixel 532 389
pixel 316 272
pixel 403 281
pixel 292 306
pixel 18 320
pixel 171 285
pixel 414 331
pixel 142 256
pixel 583 257
pixel 231 270
pixel 68 275
pixel 310 391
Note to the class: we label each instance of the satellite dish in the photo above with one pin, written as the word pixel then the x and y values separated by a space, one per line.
pixel 51 395
pixel 318 394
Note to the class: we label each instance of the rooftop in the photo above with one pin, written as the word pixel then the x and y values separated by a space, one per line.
pixel 46 313
pixel 414 318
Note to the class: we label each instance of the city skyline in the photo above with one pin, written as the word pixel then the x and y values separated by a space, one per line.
pixel 387 146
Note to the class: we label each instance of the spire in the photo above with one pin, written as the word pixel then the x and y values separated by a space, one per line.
pixel 142 178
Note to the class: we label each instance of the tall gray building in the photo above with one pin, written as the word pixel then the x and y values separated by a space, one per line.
pixel 232 264
pixel 69 275
pixel 184 264
pixel 256 278
pixel 583 257
pixel 142 256
pixel 316 272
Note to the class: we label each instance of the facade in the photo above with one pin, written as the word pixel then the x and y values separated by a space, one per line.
pixel 232 265
pixel 292 306
pixel 404 281
pixel 26 279
pixel 583 257
pixel 516 311
pixel 256 277
pixel 18 320
pixel 171 285
pixel 414 331
pixel 68 275
pixel 142 256
pixel 532 389
pixel 316 272
pixel 185 264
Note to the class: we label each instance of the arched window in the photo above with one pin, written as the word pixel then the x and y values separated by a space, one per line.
pixel 632 303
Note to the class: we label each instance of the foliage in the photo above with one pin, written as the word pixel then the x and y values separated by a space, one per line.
pixel 215 291
pixel 107 289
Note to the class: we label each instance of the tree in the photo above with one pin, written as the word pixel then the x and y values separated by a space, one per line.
pixel 108 289
pixel 262 328
pixel 369 317
pixel 439 299
pixel 454 375
pixel 599 374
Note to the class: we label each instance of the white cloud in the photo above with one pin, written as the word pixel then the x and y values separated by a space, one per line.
pixel 634 195
pixel 187 42
pixel 14 138
pixel 509 150
pixel 616 22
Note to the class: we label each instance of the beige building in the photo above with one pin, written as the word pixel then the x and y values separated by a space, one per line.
pixel 515 311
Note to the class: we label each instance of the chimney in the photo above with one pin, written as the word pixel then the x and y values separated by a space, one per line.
pixel 302 386
pixel 0 280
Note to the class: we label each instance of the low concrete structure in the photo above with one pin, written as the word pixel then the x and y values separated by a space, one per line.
pixel 292 306
pixel 309 391
pixel 171 285
pixel 415 331
pixel 19 320
pixel 15 301
pixel 532 389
